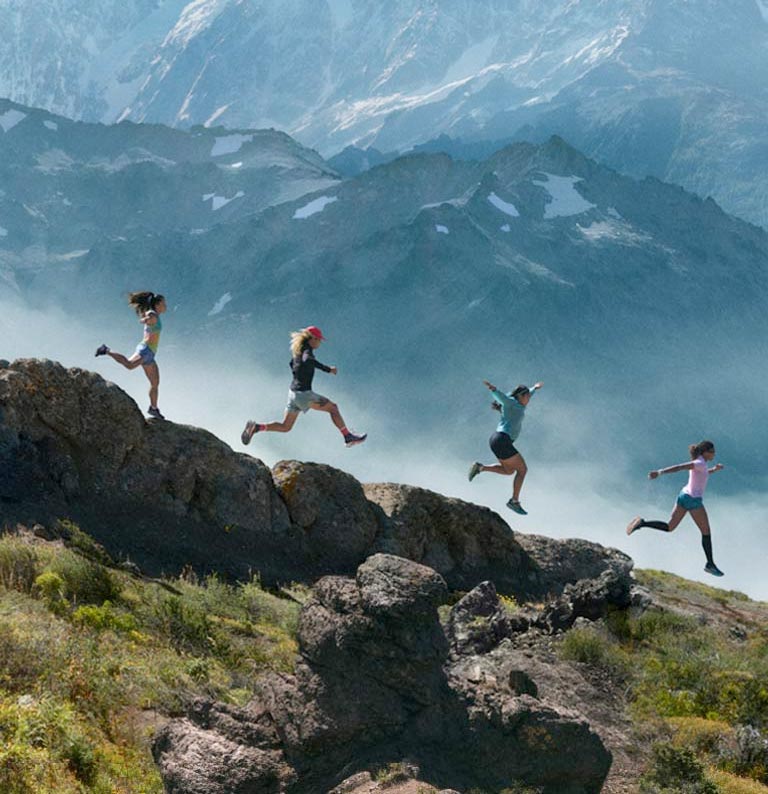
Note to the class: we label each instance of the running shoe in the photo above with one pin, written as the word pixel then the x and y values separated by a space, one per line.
pixel 250 429
pixel 713 569
pixel 474 470
pixel 353 438
pixel 155 413
pixel 101 350
pixel 516 507
pixel 634 524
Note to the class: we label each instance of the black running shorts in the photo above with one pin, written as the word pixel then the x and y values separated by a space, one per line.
pixel 502 446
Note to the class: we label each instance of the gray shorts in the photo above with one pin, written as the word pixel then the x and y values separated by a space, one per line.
pixel 301 400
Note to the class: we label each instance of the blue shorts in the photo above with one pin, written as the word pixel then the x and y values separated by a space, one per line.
pixel 688 502
pixel 147 355
pixel 301 400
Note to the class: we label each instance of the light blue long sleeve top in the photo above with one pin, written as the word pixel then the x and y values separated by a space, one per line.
pixel 512 413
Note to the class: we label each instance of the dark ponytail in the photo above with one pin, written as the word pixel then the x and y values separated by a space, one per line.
pixel 696 450
pixel 143 302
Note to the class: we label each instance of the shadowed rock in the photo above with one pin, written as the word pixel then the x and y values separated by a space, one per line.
pixel 376 680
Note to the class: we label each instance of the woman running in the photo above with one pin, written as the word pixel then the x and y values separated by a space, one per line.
pixel 149 307
pixel 300 396
pixel 512 408
pixel 689 500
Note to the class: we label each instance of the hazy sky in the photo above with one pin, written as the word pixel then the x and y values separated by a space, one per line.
pixel 565 498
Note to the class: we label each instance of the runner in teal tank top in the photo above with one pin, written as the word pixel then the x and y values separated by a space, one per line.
pixel 148 307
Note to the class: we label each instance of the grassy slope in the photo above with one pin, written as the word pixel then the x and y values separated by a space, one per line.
pixel 93 659
pixel 694 668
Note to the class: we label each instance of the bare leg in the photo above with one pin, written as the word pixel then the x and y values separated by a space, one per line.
pixel 152 372
pixel 699 515
pixel 285 426
pixel 497 469
pixel 516 465
pixel 678 514
pixel 129 363
pixel 332 409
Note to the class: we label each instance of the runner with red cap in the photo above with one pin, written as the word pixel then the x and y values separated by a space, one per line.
pixel 300 396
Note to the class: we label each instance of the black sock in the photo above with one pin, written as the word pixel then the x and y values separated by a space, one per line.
pixel 662 525
pixel 706 542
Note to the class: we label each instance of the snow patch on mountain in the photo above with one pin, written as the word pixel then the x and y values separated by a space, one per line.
pixel 441 229
pixel 229 144
pixel 315 206
pixel 504 206
pixel 221 201
pixel 506 228
pixel 51 125
pixel 11 118
pixel 194 19
pixel 565 199
pixel 613 232
pixel 220 304
pixel 3 232
pixel 54 160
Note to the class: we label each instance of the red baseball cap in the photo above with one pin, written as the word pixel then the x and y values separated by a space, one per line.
pixel 315 331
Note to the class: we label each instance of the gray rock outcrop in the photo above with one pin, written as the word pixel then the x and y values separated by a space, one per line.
pixel 377 679
pixel 165 496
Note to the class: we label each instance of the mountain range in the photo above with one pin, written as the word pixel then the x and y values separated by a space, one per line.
pixel 648 87
pixel 429 273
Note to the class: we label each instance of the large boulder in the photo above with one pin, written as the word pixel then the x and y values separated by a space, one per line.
pixel 73 445
pixel 563 562
pixel 376 677
pixel 335 526
pixel 465 543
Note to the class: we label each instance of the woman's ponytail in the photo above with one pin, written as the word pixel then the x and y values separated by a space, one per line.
pixel 145 301
pixel 697 450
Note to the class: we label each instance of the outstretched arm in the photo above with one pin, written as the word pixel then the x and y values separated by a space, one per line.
pixel 670 470
pixel 716 467
pixel 499 396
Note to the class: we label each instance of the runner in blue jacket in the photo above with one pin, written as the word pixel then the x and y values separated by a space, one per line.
pixel 512 408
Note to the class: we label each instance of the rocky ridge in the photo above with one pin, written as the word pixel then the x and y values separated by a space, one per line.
pixel 472 696
pixel 73 445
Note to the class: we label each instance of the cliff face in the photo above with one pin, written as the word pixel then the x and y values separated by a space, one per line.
pixel 73 445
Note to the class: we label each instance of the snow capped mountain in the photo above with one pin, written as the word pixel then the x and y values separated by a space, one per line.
pixel 65 185
pixel 675 90
pixel 535 260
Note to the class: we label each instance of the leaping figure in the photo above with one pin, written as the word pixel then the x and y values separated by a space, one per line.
pixel 689 500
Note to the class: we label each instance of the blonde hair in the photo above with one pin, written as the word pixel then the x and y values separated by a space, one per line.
pixel 298 340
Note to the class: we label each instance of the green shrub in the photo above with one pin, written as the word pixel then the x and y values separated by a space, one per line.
pixel 51 588
pixel 393 773
pixel 590 647
pixel 675 770
pixel 186 626
pixel 18 564
pixel 104 617
pixel 85 581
